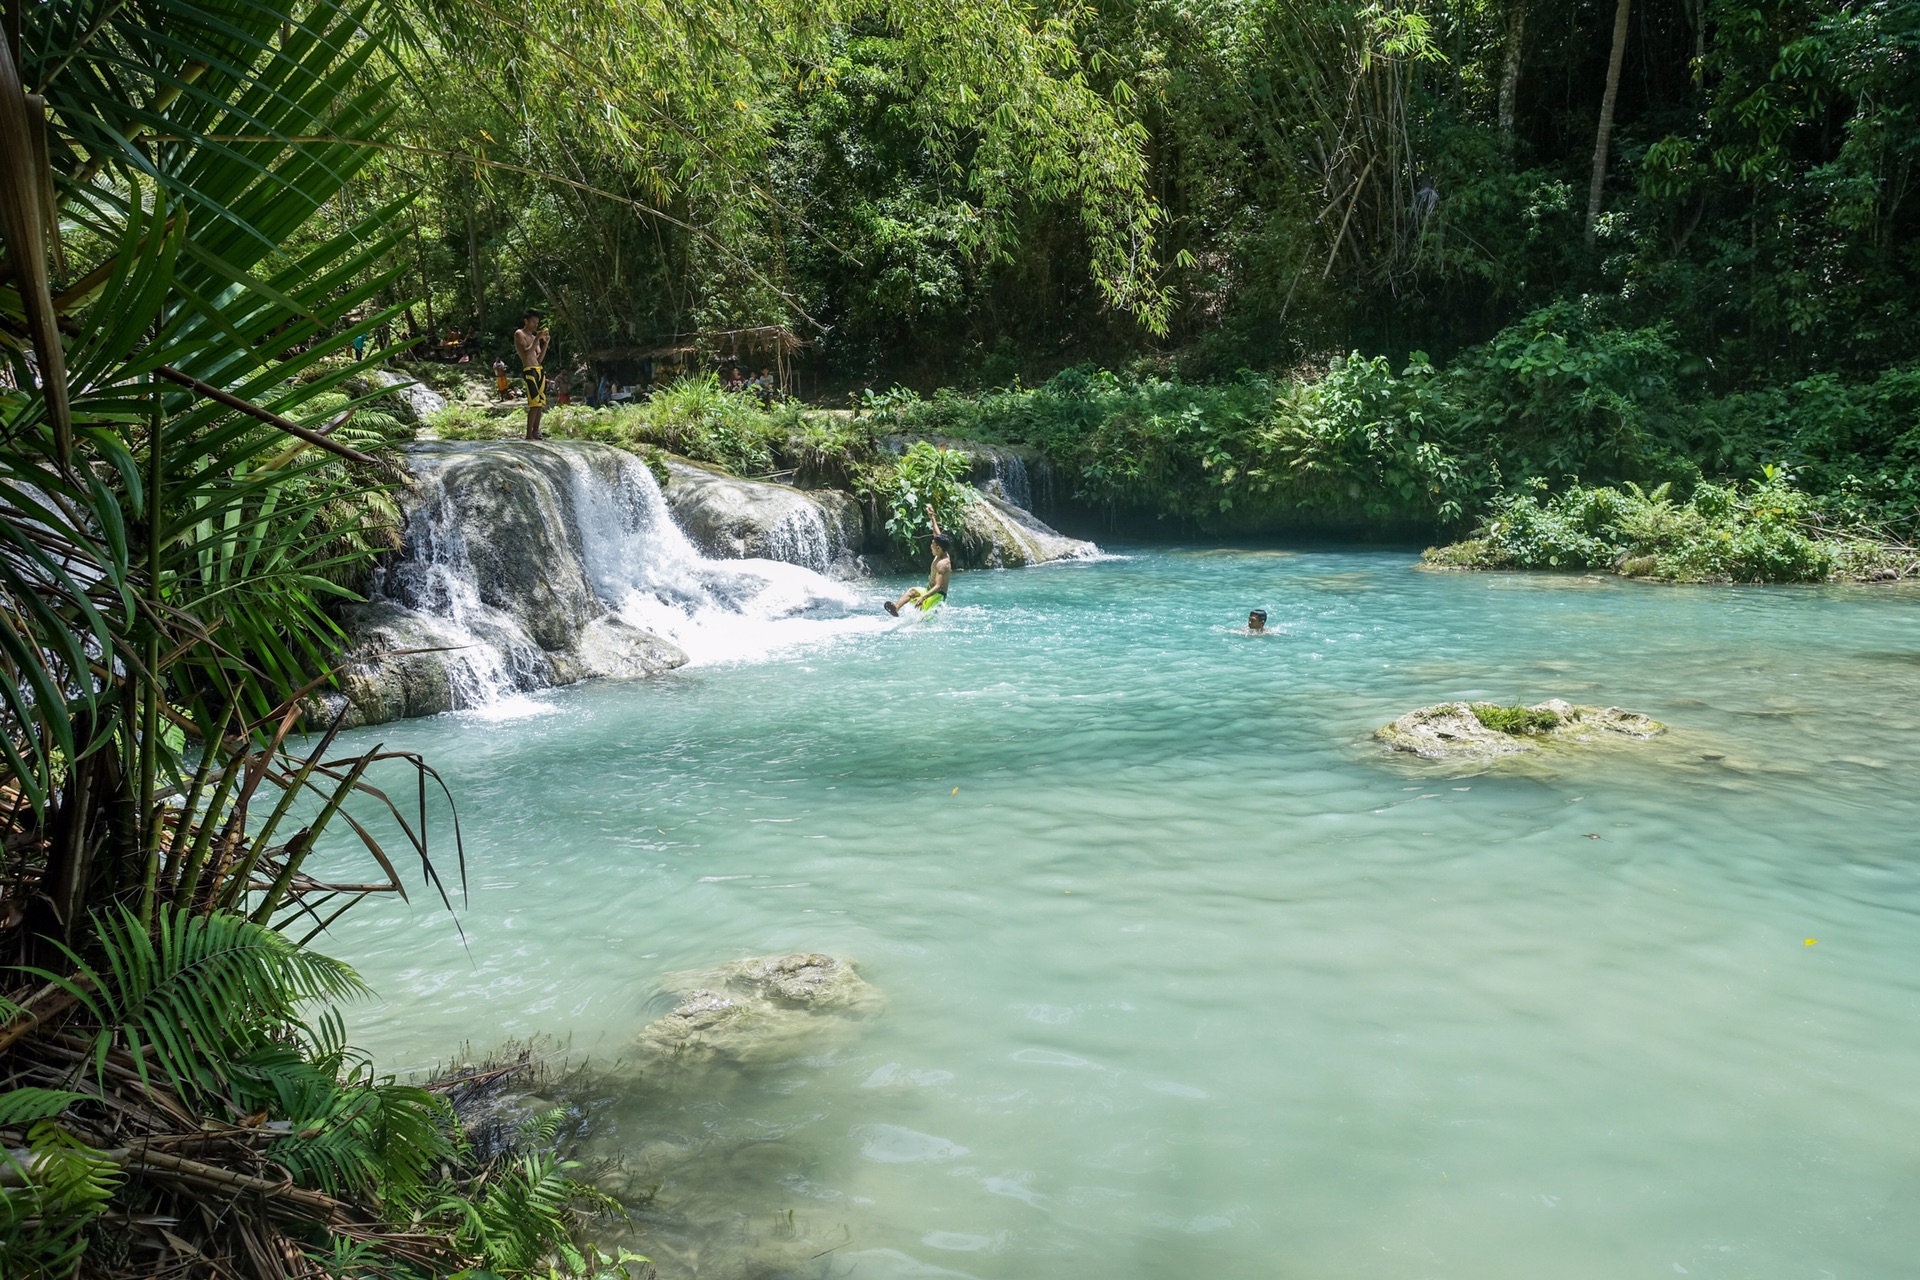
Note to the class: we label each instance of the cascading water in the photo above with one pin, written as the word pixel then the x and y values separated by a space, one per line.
pixel 1010 479
pixel 536 564
pixel 487 654
pixel 423 401
pixel 644 567
pixel 801 537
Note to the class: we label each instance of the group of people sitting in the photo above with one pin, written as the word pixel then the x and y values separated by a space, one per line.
pixel 761 384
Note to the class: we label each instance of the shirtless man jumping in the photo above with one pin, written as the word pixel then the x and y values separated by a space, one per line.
pixel 935 591
pixel 531 341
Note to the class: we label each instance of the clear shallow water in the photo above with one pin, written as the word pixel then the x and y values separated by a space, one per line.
pixel 1190 979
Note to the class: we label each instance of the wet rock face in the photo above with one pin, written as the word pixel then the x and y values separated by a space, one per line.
pixel 733 519
pixel 382 681
pixel 997 534
pixel 522 558
pixel 763 1010
pixel 825 530
pixel 1453 730
pixel 494 585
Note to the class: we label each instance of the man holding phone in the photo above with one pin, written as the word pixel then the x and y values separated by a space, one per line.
pixel 531 341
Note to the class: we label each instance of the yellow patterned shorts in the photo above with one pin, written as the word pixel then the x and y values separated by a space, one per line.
pixel 536 379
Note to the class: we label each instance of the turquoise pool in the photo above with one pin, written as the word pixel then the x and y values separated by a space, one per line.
pixel 1185 977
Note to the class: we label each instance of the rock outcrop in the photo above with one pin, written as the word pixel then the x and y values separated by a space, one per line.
pixel 829 531
pixel 733 519
pixel 762 1010
pixel 998 534
pixel 1483 730
pixel 526 565
pixel 394 671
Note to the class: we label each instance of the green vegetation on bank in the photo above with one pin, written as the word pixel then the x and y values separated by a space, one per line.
pixel 1563 395
pixel 187 486
pixel 1764 532
pixel 697 419
pixel 1795 483
pixel 1675 255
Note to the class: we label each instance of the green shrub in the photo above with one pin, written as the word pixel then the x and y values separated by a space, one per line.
pixel 1724 533
pixel 1519 721
pixel 926 475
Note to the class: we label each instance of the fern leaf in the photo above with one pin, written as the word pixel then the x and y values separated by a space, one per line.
pixel 198 992
pixel 20 1107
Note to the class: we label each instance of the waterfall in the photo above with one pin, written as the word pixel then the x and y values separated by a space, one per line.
pixel 1009 482
pixel 539 564
pixel 653 578
pixel 488 655
pixel 801 537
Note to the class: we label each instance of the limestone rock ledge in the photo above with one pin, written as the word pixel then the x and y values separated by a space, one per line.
pixel 733 519
pixel 730 518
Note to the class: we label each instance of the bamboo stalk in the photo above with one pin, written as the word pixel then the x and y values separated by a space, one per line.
pixel 231 401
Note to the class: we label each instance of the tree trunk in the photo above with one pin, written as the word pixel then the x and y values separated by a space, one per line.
pixel 1606 119
pixel 479 280
pixel 1510 73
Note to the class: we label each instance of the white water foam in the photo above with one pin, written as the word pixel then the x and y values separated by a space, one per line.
pixel 651 575
pixel 801 538
pixel 614 527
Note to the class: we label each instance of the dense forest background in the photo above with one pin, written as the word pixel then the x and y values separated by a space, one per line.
pixel 1572 285
pixel 1228 261
pixel 1284 180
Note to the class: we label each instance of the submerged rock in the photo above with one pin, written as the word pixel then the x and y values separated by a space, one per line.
pixel 763 1010
pixel 1484 729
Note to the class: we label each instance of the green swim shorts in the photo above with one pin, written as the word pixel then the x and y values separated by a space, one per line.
pixel 931 601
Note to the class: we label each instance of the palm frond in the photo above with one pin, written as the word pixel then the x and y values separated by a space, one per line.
pixel 196 993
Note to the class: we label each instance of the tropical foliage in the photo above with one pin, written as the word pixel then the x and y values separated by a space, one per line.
pixel 1765 532
pixel 185 485
pixel 1215 199
pixel 929 483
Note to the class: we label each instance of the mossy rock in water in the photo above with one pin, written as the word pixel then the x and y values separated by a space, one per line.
pixel 1518 721
pixel 1483 729
pixel 763 1010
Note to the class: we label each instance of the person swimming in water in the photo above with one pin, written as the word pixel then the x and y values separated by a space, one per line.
pixel 1256 623
pixel 935 591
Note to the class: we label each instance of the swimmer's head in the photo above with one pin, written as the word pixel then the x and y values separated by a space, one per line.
pixel 1257 620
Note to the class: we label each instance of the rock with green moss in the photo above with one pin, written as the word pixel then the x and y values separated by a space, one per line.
pixel 1451 730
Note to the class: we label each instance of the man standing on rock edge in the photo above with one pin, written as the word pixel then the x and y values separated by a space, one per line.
pixel 531 340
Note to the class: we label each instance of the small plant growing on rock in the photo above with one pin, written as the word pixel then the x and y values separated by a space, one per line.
pixel 1518 721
